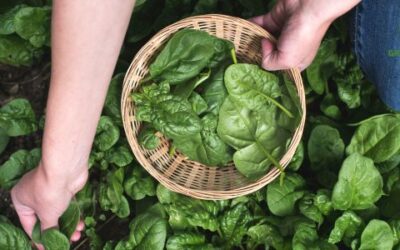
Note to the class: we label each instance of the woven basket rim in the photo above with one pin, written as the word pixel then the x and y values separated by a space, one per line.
pixel 269 176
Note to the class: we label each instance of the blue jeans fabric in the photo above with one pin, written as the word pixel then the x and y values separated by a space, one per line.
pixel 376 40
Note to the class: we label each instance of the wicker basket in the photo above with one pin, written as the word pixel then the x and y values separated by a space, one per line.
pixel 176 172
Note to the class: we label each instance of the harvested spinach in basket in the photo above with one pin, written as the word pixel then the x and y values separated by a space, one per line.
pixel 213 109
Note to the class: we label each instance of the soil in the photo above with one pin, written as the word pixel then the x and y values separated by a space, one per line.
pixel 32 83
pixel 22 82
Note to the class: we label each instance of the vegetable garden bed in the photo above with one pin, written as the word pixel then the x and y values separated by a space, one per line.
pixel 340 190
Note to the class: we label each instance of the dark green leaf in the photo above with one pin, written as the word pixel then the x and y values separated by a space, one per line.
pixel 148 139
pixel 4 138
pixel 265 234
pixel 325 148
pixel 17 165
pixel 33 24
pixel 17 118
pixel 139 185
pixel 281 199
pixel 322 67
pixel 70 219
pixel 234 224
pixel 107 134
pixel 188 241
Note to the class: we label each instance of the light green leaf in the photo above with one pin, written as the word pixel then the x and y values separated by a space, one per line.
pixel 12 238
pixel 377 236
pixel 347 226
pixel 359 186
pixel 377 138
pixel 52 239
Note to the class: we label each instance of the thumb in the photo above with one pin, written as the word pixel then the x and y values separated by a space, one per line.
pixel 26 215
pixel 271 59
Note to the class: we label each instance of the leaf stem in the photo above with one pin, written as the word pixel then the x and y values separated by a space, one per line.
pixel 234 58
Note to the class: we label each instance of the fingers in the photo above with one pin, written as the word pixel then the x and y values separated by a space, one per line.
pixel 273 59
pixel 267 22
pixel 76 236
pixel 80 226
pixel 272 21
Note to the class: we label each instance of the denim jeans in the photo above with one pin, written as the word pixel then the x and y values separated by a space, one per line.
pixel 376 40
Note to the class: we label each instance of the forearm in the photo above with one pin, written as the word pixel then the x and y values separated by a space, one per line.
pixel 86 40
pixel 328 10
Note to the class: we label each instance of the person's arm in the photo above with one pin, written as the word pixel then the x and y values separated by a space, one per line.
pixel 302 25
pixel 86 40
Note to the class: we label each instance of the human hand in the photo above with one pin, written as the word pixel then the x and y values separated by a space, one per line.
pixel 301 25
pixel 39 195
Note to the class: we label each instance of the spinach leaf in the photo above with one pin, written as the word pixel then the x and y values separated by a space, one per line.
pixel 112 103
pixel 107 134
pixel 347 226
pixel 297 159
pixel 171 115
pixel 323 202
pixel 265 234
pixel 234 224
pixel 185 212
pixel 329 107
pixel 309 209
pixel 306 237
pixel 33 24
pixel 7 26
pixel 12 237
pixel 53 239
pixel 377 138
pixel 147 231
pixel 253 87
pixel 70 219
pixel 281 199
pixel 185 55
pixel 111 196
pixel 389 205
pixel 377 235
pixel 16 51
pixel 4 138
pixel 395 226
pixel 120 156
pixel 206 146
pixel 322 67
pixel 199 105
pixel 256 137
pixel 17 118
pixel 147 138
pixel 214 90
pixel 359 186
pixel 189 241
pixel 184 90
pixel 325 148
pixel 17 165
pixel 139 185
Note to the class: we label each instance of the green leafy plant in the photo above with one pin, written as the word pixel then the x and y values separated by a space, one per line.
pixel 341 188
